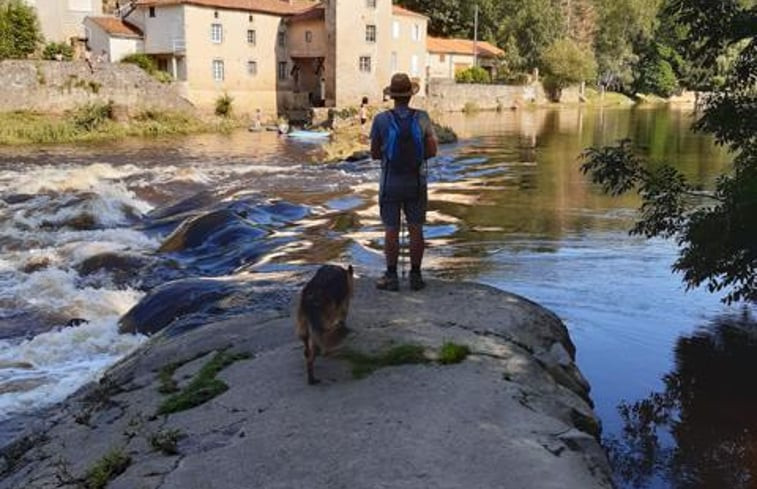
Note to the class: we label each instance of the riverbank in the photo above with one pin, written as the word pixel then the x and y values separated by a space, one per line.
pixel 515 408
pixel 98 122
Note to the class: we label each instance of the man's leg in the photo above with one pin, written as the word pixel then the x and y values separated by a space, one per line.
pixel 417 245
pixel 415 212
pixel 390 217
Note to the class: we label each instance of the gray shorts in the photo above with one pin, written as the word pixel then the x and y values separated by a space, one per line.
pixel 415 211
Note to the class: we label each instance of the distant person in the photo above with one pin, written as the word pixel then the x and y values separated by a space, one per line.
pixel 257 122
pixel 88 59
pixel 402 138
pixel 322 86
pixel 363 112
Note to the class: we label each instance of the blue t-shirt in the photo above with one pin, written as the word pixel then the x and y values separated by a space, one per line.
pixel 383 122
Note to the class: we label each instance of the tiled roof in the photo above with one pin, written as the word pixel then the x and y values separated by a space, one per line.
pixel 318 12
pixel 116 27
pixel 462 46
pixel 397 10
pixel 277 7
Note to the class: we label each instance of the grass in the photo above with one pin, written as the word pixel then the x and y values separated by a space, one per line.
pixel 94 123
pixel 364 364
pixel 203 387
pixel 451 353
pixel 110 466
pixel 166 441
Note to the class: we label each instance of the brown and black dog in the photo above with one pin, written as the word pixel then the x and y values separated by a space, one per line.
pixel 322 311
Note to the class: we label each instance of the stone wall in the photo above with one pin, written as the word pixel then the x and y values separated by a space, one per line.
pixel 448 96
pixel 55 87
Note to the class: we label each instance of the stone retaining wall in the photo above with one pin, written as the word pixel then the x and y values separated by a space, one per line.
pixel 449 96
pixel 57 86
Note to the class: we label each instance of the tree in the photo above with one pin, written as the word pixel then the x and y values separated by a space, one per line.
pixel 565 63
pixel 716 231
pixel 19 29
pixel 655 73
pixel 532 25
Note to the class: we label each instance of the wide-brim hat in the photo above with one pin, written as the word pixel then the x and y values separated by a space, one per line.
pixel 401 86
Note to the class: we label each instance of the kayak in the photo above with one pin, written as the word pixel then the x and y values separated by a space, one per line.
pixel 302 134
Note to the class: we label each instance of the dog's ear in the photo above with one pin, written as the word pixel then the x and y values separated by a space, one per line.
pixel 350 270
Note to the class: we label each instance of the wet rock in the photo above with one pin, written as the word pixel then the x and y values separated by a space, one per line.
pixel 197 231
pixel 36 264
pixel 17 198
pixel 198 201
pixel 358 156
pixel 23 385
pixel 16 365
pixel 122 267
pixel 71 323
pixel 169 302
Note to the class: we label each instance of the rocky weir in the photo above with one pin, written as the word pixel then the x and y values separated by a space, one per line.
pixel 458 385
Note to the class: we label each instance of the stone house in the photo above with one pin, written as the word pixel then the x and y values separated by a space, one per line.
pixel 448 56
pixel 277 55
pixel 114 37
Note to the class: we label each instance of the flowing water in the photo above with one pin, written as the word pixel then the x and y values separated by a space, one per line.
pixel 85 236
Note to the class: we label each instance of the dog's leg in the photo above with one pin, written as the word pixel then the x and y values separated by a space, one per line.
pixel 310 350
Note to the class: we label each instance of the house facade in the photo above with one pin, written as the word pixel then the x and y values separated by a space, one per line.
pixel 62 20
pixel 448 56
pixel 113 37
pixel 276 55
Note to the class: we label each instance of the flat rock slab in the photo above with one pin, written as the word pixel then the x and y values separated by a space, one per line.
pixel 515 413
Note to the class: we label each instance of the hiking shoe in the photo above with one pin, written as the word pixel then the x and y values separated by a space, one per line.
pixel 416 281
pixel 388 281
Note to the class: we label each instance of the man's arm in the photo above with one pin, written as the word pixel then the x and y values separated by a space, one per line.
pixel 375 141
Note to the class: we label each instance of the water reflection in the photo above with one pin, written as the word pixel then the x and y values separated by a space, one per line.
pixel 700 431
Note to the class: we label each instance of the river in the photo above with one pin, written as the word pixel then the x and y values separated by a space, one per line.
pixel 509 208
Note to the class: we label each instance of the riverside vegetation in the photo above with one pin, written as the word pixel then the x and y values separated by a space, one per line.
pixel 97 122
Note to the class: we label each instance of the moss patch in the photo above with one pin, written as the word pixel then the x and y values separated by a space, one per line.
pixel 166 441
pixel 451 353
pixel 113 464
pixel 364 364
pixel 203 387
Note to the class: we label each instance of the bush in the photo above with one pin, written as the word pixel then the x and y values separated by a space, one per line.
pixel 142 60
pixel 19 29
pixel 470 108
pixel 656 75
pixel 55 49
pixel 474 74
pixel 223 105
pixel 91 116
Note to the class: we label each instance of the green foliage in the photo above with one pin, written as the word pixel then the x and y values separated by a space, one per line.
pixel 474 74
pixel 444 134
pixel 531 26
pixel 364 364
pixel 91 116
pixel 565 63
pixel 224 105
pixel 451 353
pixel 19 29
pixel 110 466
pixel 142 60
pixel 53 50
pixel 655 75
pixel 470 107
pixel 203 387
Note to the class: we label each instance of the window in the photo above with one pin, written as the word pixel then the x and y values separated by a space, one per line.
pixel 308 36
pixel 282 70
pixel 370 3
pixel 252 68
pixel 216 33
pixel 396 29
pixel 251 38
pixel 215 14
pixel 250 18
pixel 416 32
pixel 393 65
pixel 365 64
pixel 414 65
pixel 282 39
pixel 152 12
pixel 370 33
pixel 218 70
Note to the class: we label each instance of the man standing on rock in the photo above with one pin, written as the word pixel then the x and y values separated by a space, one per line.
pixel 402 138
